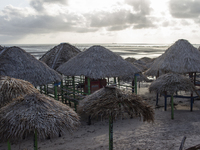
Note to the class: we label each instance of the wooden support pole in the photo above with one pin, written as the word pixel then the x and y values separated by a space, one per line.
pixel 118 82
pixel 115 82
pixel 165 100
pixel 172 107
pixel 110 132
pixel 35 141
pixel 73 85
pixel 62 91
pixel 9 146
pixel 135 83
pixel 55 92
pixel 88 82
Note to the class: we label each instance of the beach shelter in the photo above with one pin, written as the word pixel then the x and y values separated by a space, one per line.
pixel 59 55
pixel 11 88
pixel 111 102
pixel 181 57
pixel 17 63
pixel 36 114
pixel 1 48
pixel 97 62
pixel 171 83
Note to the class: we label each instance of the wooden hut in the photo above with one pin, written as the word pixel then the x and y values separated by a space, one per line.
pixel 111 102
pixel 36 114
pixel 59 55
pixel 181 57
pixel 171 83
pixel 97 63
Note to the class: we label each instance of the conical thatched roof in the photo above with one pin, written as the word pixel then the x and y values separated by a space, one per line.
pixel 11 88
pixel 1 48
pixel 112 100
pixel 181 57
pixel 97 62
pixel 36 112
pixel 59 55
pixel 171 83
pixel 17 63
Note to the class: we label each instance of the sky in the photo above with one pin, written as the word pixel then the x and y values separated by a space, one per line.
pixel 99 21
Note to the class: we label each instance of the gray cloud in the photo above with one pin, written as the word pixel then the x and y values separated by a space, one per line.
pixel 140 6
pixel 16 23
pixel 19 22
pixel 120 20
pixel 184 8
pixel 38 5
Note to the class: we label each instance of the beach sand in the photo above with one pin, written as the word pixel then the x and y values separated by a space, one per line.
pixel 130 134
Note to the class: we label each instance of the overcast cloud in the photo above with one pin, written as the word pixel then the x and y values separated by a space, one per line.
pixel 56 16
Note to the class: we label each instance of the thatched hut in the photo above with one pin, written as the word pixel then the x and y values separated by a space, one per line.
pixel 1 48
pixel 181 57
pixel 59 55
pixel 17 63
pixel 171 83
pixel 111 102
pixel 97 62
pixel 11 88
pixel 36 114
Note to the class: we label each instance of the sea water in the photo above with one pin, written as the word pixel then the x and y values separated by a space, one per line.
pixel 123 49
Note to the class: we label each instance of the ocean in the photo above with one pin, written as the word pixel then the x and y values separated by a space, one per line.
pixel 123 49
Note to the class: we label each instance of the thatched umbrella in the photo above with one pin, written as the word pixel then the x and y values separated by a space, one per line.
pixel 38 114
pixel 181 57
pixel 17 63
pixel 59 55
pixel 11 88
pixel 1 48
pixel 97 62
pixel 171 83
pixel 110 102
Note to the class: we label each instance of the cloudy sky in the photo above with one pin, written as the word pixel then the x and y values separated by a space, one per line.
pixel 99 21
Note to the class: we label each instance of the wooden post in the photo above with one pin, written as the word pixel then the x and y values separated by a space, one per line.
pixel 119 82
pixel 157 99
pixel 135 83
pixel 89 92
pixel 115 82
pixel 165 101
pixel 110 132
pixel 73 85
pixel 9 146
pixel 62 91
pixel 55 92
pixel 88 82
pixel 35 141
pixel 172 107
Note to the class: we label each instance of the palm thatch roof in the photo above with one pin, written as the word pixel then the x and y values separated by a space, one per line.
pixel 59 55
pixel 1 48
pixel 17 63
pixel 36 112
pixel 130 59
pixel 199 48
pixel 11 88
pixel 181 57
pixel 97 62
pixel 113 100
pixel 171 83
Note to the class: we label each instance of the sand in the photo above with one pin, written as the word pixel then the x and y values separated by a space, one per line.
pixel 131 134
